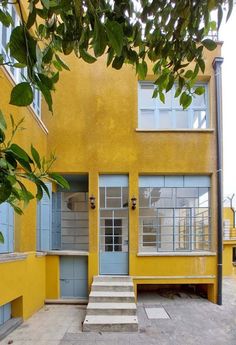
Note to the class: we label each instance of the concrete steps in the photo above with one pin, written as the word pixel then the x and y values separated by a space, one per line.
pixel 111 306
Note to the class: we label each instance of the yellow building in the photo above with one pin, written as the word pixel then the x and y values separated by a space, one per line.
pixel 229 248
pixel 143 198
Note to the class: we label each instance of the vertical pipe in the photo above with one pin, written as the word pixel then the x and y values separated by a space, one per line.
pixel 218 97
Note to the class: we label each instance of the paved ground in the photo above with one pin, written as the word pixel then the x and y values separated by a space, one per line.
pixel 193 321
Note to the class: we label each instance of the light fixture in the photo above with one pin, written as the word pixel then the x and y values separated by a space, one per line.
pixel 92 201
pixel 133 203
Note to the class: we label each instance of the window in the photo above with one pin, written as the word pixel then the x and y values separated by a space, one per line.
pixel 5 313
pixel 17 74
pixel 234 255
pixel 153 114
pixel 174 213
pixel 7 228
pixel 44 221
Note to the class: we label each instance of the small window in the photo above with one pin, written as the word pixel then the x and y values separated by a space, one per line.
pixel 234 255
pixel 153 114
pixel 7 228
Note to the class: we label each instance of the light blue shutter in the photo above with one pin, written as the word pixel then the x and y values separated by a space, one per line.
pixel 44 220
pixel 56 221
pixel 5 313
pixel 7 227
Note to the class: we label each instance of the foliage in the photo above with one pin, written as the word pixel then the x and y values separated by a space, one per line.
pixel 170 34
pixel 17 167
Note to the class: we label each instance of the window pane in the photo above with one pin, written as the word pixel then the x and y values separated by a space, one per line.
pixel 199 119
pixel 144 197
pixel 182 119
pixel 113 203
pixel 168 101
pixel 199 101
pixel 147 119
pixel 113 192
pixel 165 119
pixel 146 92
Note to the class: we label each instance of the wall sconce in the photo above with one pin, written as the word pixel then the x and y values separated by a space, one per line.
pixel 133 203
pixel 92 202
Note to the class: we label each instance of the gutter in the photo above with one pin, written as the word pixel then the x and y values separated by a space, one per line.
pixel 218 97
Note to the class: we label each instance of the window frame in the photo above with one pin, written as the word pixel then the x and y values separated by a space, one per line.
pixel 18 74
pixel 173 109
pixel 205 240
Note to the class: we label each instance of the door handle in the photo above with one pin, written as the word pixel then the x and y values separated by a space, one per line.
pixel 65 280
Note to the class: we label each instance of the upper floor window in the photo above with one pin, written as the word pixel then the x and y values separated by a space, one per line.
pixel 7 228
pixel 17 74
pixel 153 114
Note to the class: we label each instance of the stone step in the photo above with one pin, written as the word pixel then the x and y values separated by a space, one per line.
pixel 111 309
pixel 112 279
pixel 109 323
pixel 112 286
pixel 111 296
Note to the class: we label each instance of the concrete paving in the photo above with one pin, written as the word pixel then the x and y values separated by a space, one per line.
pixel 193 321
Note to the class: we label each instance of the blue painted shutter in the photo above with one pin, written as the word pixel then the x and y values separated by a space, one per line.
pixel 7 227
pixel 5 313
pixel 44 221
pixel 56 221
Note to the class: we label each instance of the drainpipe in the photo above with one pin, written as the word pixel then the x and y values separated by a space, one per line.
pixel 218 97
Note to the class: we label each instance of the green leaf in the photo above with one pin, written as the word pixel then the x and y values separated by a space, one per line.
pixel 18 48
pixel 162 97
pixel 46 93
pixel 31 18
pixel 5 190
pixel 86 56
pixel 142 69
pixel 35 156
pixel 118 62
pixel 5 18
pixel 115 35
pixel 19 152
pixel 3 124
pixel 199 90
pixel 110 55
pixel 99 38
pixel 1 238
pixel 201 64
pixel 185 100
pixel 61 62
pixel 60 180
pixel 209 44
pixel 2 136
pixel 39 194
pixel 22 95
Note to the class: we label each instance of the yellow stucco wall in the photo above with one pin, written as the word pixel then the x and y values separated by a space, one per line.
pixel 23 282
pixel 229 244
pixel 23 279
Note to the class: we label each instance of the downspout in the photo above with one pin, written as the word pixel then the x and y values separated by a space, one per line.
pixel 218 97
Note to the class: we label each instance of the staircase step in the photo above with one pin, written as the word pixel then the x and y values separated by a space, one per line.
pixel 109 323
pixel 112 296
pixel 112 279
pixel 111 309
pixel 112 286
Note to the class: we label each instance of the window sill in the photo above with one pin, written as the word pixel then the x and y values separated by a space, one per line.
pixel 207 130
pixel 67 252
pixel 8 257
pixel 178 254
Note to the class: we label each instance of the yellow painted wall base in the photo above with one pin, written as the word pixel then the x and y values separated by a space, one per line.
pixel 228 268
pixel 23 284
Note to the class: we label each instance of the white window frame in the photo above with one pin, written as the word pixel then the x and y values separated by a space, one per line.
pixel 175 106
pixel 17 74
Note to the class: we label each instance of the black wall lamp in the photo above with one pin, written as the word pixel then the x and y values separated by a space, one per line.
pixel 133 203
pixel 92 200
